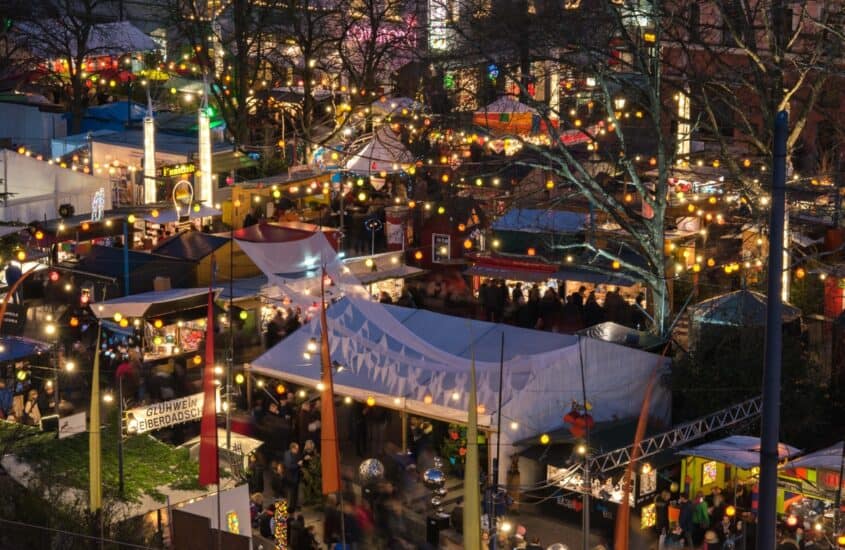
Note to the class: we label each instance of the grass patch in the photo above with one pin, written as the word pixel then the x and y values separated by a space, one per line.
pixel 148 463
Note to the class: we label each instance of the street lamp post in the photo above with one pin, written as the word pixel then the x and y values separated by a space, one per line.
pixel 120 486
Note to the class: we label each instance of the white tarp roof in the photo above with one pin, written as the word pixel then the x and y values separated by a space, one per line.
pixel 383 153
pixel 506 104
pixel 826 459
pixel 742 451
pixel 136 305
pixel 114 38
pixel 294 266
pixel 401 355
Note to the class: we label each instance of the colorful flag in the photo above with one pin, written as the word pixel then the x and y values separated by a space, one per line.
pixel 95 492
pixel 472 495
pixel 330 451
pixel 209 472
pixel 623 517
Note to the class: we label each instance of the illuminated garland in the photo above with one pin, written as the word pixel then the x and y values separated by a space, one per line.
pixel 280 532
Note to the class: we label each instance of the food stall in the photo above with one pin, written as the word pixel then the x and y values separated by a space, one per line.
pixel 725 463
pixel 168 323
pixel 305 190
pixel 563 461
pixel 383 273
pixel 808 486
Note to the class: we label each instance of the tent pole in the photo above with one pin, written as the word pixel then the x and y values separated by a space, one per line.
pixel 403 415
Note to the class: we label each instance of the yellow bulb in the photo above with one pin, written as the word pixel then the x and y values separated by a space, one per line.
pixel 441 210
pixel 616 264
pixel 362 196
pixel 239 378
pixel 131 218
pixel 545 439
pixel 371 401
pixel 21 255
pixel 117 317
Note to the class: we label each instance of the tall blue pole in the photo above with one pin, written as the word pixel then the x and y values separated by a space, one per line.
pixel 125 258
pixel 769 431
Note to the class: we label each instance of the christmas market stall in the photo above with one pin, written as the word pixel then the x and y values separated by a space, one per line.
pixel 168 324
pixel 416 362
pixel 383 273
pixel 809 487
pixel 731 464
pixel 564 455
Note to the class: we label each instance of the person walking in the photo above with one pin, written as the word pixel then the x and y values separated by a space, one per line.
pixel 293 474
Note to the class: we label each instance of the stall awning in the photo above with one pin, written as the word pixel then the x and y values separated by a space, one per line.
pixel 510 274
pixel 157 303
pixel 401 272
pixel 18 347
pixel 586 276
pixel 826 459
pixel 250 287
pixel 742 451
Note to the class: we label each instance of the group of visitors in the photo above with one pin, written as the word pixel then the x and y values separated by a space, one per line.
pixel 284 321
pixel 706 522
pixel 525 307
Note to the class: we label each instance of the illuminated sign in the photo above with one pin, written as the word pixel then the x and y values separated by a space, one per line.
pixel 709 472
pixel 98 205
pixel 162 415
pixel 183 198
pixel 175 170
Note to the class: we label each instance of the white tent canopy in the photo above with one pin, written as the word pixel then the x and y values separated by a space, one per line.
pixel 137 305
pixel 383 153
pixel 507 104
pixel 742 451
pixel 418 361
pixel 295 266
pixel 829 458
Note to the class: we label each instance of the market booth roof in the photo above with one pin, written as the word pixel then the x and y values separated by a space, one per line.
pixel 383 153
pixel 826 459
pixel 18 347
pixel 741 308
pixel 190 245
pixel 153 304
pixel 742 451
pixel 419 361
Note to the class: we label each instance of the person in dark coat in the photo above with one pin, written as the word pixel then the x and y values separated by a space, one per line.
pixel 593 312
pixel 528 314
pixel 293 474
pixel 265 523
pixel 685 514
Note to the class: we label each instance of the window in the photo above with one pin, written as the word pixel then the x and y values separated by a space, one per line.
pixel 733 23
pixel 709 472
pixel 441 247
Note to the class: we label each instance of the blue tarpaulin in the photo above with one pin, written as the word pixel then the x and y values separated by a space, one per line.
pixel 13 348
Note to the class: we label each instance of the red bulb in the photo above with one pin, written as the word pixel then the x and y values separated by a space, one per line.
pixel 54 276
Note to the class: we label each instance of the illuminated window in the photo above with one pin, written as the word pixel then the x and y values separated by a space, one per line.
pixel 648 482
pixel 709 472
pixel 648 516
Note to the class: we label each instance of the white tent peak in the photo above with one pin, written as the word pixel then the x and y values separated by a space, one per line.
pixel 384 152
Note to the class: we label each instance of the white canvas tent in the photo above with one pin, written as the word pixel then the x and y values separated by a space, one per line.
pixel 418 361
pixel 383 153
pixel 294 265
pixel 141 304
pixel 829 458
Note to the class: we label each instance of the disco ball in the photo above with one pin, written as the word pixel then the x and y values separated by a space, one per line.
pixel 558 546
pixel 370 471
pixel 434 478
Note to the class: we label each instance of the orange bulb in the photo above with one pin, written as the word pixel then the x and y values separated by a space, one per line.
pixel 86 226
pixel 616 264
pixel 412 204
pixel 158 323
pixel 532 251
pixel 418 255
pixel 74 322
pixel 468 244
pixel 39 235
pixel 711 262
pixel 197 359
pixel 800 273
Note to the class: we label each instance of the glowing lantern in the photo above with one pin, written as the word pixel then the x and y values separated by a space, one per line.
pixel 545 439
pixel 800 273
pixel 21 255
pixel 418 255
pixel 158 323
pixel 616 264
pixel 412 204
pixel 532 251
pixel 711 262
pixel 468 244
pixel 74 322
pixel 124 323
pixel 280 389
pixel 243 315
pixel 730 511
pixel 117 317
pixel 462 227
pixel 86 226
pixel 197 359
pixel 39 235
pixel 239 378
pixel 371 401
pixel 441 210
pixel 550 184
pixel 131 218
pixel 428 399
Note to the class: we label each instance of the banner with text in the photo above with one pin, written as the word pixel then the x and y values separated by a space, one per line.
pixel 162 415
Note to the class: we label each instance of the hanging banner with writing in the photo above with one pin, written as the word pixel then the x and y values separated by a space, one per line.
pixel 162 415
